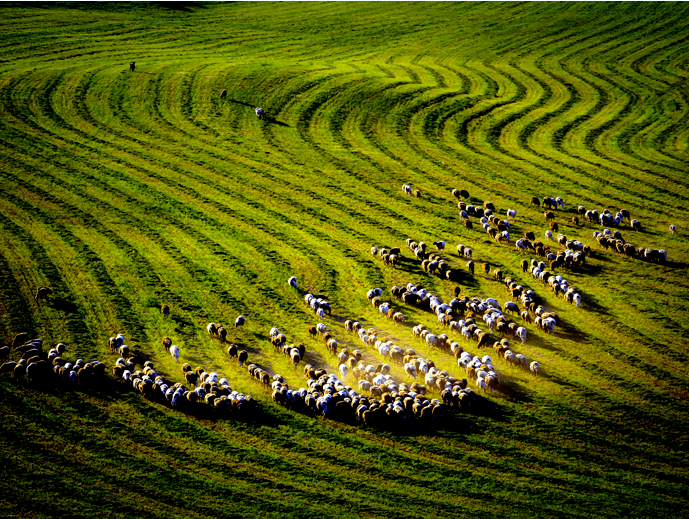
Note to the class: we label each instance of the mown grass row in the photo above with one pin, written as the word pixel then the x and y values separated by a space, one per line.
pixel 125 190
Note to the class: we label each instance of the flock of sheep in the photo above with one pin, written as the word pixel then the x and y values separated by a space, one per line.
pixel 367 392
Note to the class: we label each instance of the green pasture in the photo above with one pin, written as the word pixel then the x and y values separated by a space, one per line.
pixel 126 190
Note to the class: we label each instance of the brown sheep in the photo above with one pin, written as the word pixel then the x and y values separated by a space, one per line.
pixel 575 220
pixel 313 331
pixel 468 224
pixel 535 201
pixel 530 235
pixel 42 293
pixel 166 310
pixel 223 94
pixel 464 193
pixel 486 268
pixel 554 227
pixel 167 342
pixel 549 215
pixel 417 193
pixel 132 66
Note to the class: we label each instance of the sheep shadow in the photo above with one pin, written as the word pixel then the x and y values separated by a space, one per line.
pixel 270 120
pixel 63 305
pixel 676 265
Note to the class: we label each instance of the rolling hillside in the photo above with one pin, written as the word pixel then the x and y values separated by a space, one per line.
pixel 126 190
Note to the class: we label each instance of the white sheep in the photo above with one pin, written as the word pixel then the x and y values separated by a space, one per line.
pixel 292 282
pixel 520 245
pixel 343 370
pixel 407 189
pixel 534 368
pixel 374 250
pixel 673 229
pixel 521 333
pixel 512 213
pixel 321 328
pixel 439 244
pixel 549 236
pixel 174 351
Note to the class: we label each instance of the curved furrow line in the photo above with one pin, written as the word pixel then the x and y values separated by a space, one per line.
pixel 198 179
pixel 196 273
pixel 653 31
pixel 593 137
pixel 304 126
pixel 568 139
pixel 343 206
pixel 171 249
pixel 666 135
pixel 625 135
pixel 528 129
pixel 548 71
pixel 16 305
pixel 120 303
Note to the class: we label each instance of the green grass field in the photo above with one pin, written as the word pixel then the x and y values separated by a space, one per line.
pixel 125 190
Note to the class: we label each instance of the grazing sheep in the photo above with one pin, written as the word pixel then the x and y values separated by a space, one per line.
pixel 636 225
pixel 260 113
pixel 239 321
pixel 575 220
pixel 242 357
pixel 174 351
pixel 673 229
pixel 549 235
pixel 521 334
pixel 417 193
pixel 512 213
pixel 292 282
pixel 470 267
pixel 223 94
pixel 468 224
pixel 42 293
pixel 212 329
pixel 222 333
pixel 132 66
pixel 439 244
pixel 534 368
pixel 464 193
pixel 167 342
pixel 407 189
pixel 166 310
pixel 549 215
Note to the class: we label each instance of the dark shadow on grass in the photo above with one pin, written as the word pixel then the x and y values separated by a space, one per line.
pixel 182 6
pixel 64 306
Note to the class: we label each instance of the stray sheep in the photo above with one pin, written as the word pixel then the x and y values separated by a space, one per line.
pixel 42 293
